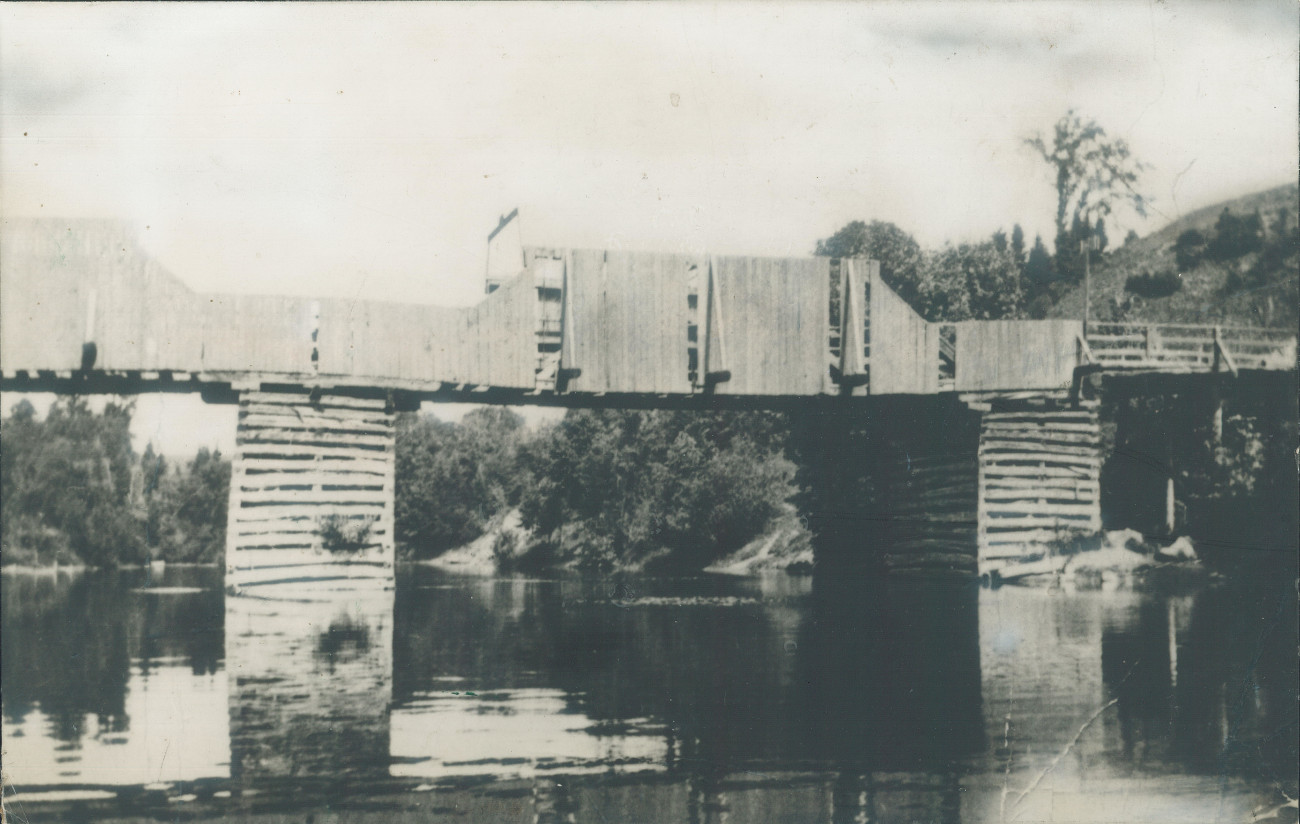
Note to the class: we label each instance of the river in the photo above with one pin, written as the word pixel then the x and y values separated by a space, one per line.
pixel 132 695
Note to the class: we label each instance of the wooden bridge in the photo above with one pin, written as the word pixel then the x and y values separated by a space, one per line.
pixel 83 309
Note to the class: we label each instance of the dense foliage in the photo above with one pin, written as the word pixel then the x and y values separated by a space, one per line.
pixel 898 253
pixel 972 281
pixel 1235 235
pixel 75 492
pixel 964 282
pixel 452 478
pixel 621 488
pixel 1159 285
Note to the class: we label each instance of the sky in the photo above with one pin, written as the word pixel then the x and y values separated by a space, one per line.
pixel 366 150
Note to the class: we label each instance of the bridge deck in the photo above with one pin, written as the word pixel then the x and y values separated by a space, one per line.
pixel 84 307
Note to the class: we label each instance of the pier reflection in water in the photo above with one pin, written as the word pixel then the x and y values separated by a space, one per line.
pixel 693 700
pixel 310 681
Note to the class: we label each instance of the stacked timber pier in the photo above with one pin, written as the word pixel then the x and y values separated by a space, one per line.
pixel 1039 479
pixel 311 492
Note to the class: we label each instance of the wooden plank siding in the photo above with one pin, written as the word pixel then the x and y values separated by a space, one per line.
pixel 904 348
pixel 256 333
pixel 626 318
pixel 384 340
pixel 1039 480
pixel 769 325
pixel 296 465
pixel 501 331
pixel 1016 354
pixel 621 327
pixel 44 294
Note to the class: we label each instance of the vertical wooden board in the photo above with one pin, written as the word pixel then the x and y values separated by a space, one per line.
pixel 656 342
pixel 930 359
pixel 770 325
pixel 853 301
pixel 254 333
pixel 1010 355
pixel 583 319
pixel 334 342
pixel 509 325
pixel 899 350
pixel 387 340
pixel 627 322
pixel 172 339
pixel 43 299
pixel 128 288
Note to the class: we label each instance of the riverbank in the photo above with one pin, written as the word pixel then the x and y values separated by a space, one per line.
pixel 56 569
pixel 506 546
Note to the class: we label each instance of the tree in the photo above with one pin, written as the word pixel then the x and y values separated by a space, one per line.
pixel 66 485
pixel 1093 172
pixel 1038 269
pixel 1018 245
pixel 898 252
pixel 187 512
pixel 971 281
pixel 1235 236
pixel 617 487
pixel 452 478
pixel 1000 240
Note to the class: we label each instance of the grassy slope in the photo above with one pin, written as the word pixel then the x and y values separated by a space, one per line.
pixel 1204 296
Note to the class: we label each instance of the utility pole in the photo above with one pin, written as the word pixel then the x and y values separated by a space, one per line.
pixel 1087 247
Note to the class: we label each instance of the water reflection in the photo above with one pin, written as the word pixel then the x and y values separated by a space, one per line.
pixel 698 700
pixel 310 677
pixel 114 678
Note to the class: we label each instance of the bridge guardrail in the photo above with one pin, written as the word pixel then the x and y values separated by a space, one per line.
pixel 1191 347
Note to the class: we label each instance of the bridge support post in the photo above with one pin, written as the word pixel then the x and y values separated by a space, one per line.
pixel 311 494
pixel 1039 480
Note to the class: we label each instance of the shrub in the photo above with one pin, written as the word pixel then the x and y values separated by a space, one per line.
pixel 1147 285
pixel 1189 249
pixel 1235 236
pixel 339 534
pixel 1039 307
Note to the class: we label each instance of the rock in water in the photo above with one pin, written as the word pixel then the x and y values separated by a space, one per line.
pixel 1179 550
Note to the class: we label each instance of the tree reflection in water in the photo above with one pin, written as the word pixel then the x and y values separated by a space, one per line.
pixel 839 698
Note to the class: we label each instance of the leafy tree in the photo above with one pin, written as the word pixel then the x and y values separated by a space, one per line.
pixel 66 485
pixel 898 252
pixel 618 487
pixel 1000 241
pixel 187 509
pixel 1092 173
pixel 1235 236
pixel 1018 245
pixel 452 478
pixel 1100 231
pixel 1131 237
pixel 971 281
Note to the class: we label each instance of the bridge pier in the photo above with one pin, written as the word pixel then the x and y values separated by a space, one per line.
pixel 1039 479
pixel 311 493
pixel 892 485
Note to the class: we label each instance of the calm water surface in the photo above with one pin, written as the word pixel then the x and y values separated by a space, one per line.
pixel 780 699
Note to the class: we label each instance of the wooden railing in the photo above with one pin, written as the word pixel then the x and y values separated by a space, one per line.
pixel 1192 348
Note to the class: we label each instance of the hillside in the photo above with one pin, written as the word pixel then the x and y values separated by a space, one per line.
pixel 1256 289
